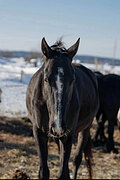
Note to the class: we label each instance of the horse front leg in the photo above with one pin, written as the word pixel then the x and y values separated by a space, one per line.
pixel 41 141
pixel 78 154
pixel 65 150
pixel 83 145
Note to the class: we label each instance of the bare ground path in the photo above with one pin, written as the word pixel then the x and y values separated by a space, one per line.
pixel 18 152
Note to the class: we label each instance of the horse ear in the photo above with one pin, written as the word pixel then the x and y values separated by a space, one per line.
pixel 73 49
pixel 46 50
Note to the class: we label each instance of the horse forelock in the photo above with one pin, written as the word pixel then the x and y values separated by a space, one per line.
pixel 59 46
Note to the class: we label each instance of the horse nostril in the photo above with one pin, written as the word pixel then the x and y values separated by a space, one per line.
pixel 52 130
pixel 56 132
pixel 53 125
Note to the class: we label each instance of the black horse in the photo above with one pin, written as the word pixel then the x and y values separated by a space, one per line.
pixel 62 100
pixel 109 94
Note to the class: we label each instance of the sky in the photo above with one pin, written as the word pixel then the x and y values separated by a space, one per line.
pixel 24 23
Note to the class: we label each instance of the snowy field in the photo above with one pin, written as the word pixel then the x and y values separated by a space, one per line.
pixel 14 88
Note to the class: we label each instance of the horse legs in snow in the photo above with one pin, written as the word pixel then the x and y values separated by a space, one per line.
pixel 41 141
pixel 65 149
pixel 83 145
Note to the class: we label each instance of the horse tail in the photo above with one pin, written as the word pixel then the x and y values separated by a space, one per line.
pixel 88 156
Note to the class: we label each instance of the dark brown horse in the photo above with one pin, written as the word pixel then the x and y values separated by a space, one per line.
pixel 62 100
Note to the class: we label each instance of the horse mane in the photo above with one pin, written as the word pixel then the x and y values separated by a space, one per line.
pixel 59 46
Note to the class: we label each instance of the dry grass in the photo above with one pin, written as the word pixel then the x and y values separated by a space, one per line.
pixel 18 156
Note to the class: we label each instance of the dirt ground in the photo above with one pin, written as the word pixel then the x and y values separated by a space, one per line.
pixel 18 154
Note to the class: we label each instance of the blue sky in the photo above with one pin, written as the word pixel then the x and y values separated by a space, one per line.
pixel 97 22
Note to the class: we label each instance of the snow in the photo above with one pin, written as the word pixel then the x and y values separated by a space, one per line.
pixel 15 75
pixel 104 68
pixel 13 87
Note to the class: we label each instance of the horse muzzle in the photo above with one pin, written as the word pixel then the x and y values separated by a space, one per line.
pixel 58 132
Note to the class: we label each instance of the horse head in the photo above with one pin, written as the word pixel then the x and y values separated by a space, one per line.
pixel 58 83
